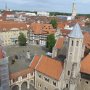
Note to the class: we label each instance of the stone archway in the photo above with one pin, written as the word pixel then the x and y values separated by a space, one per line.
pixel 32 82
pixel 24 86
pixel 16 87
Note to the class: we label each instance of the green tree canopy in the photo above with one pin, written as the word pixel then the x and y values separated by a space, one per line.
pixel 50 42
pixel 22 39
pixel 54 23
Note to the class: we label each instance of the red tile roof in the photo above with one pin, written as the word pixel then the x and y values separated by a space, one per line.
pixel 87 39
pixel 26 71
pixel 65 32
pixel 59 43
pixel 85 65
pixel 34 62
pixel 7 25
pixel 20 73
pixel 50 67
pixel 39 28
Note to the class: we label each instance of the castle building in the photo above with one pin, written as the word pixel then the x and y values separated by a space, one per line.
pixel 69 74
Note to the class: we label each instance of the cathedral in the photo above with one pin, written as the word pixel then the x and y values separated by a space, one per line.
pixel 71 72
pixel 69 67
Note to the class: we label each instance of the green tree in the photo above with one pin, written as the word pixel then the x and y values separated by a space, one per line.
pixel 50 42
pixel 54 23
pixel 22 39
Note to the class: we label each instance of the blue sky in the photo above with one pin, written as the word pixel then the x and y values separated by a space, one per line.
pixel 83 6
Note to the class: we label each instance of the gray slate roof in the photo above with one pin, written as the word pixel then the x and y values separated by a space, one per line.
pixel 76 32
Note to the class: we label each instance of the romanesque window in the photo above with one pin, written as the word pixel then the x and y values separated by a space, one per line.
pixel 39 75
pixel 46 88
pixel 77 43
pixel 68 72
pixel 39 85
pixel 72 43
pixel 54 83
pixel 46 79
pixel 86 82
pixel 66 85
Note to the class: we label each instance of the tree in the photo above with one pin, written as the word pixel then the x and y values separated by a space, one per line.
pixel 22 39
pixel 50 42
pixel 54 23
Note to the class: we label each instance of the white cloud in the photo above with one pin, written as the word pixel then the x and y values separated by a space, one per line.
pixel 84 1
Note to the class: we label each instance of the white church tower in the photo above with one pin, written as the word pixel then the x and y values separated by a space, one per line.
pixel 72 63
pixel 74 13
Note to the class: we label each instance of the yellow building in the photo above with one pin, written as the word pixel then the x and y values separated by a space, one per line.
pixel 9 31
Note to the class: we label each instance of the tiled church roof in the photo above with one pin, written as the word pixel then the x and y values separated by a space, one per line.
pixel 85 65
pixel 50 67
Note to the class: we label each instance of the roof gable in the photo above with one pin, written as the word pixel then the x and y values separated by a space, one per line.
pixel 50 67
pixel 76 32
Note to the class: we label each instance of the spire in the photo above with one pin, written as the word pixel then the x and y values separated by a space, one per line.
pixel 5 6
pixel 76 32
pixel 74 10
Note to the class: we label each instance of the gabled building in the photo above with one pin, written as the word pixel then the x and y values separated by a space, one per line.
pixel 71 73
pixel 9 31
pixel 39 32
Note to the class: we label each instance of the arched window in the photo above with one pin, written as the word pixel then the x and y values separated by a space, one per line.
pixel 68 72
pixel 77 43
pixel 72 42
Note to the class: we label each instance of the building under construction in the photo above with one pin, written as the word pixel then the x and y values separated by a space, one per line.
pixel 4 72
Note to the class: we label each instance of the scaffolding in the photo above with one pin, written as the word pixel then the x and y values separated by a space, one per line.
pixel 4 74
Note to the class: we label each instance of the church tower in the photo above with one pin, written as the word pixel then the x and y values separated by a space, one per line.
pixel 74 55
pixel 6 7
pixel 74 10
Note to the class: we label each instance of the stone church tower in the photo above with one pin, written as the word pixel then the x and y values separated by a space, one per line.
pixel 74 13
pixel 72 62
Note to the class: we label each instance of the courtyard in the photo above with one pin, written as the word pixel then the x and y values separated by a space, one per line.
pixel 19 55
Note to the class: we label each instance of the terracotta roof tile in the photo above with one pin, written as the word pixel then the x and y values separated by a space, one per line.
pixel 50 67
pixel 65 32
pixel 59 43
pixel 85 65
pixel 34 62
pixel 7 25
pixel 39 28
pixel 87 39
pixel 20 73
